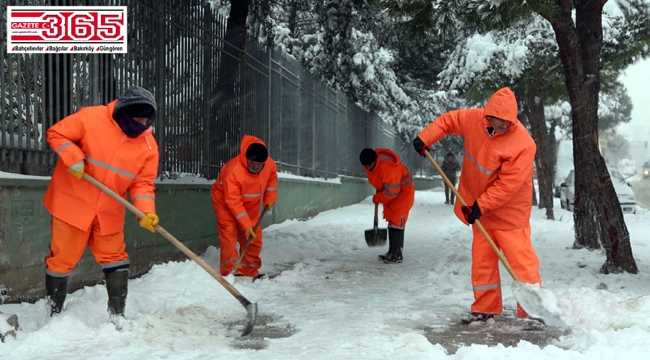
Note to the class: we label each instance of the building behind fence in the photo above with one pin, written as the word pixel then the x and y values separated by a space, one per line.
pixel 209 94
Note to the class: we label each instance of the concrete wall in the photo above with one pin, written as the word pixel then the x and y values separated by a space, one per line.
pixel 185 211
pixel 428 183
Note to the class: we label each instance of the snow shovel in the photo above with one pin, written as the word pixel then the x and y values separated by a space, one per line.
pixel 531 297
pixel 376 236
pixel 249 241
pixel 251 308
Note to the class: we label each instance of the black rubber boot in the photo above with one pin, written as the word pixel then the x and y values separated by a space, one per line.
pixel 117 287
pixel 386 256
pixel 396 238
pixel 55 289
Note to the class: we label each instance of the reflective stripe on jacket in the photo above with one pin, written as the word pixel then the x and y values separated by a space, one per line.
pixel 237 194
pixel 119 162
pixel 497 170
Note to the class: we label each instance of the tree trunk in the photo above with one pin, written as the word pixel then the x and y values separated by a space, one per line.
pixel 539 131
pixel 293 18
pixel 598 216
pixel 534 191
pixel 553 149
pixel 225 129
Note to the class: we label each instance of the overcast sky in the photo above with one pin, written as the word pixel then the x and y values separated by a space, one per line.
pixel 636 79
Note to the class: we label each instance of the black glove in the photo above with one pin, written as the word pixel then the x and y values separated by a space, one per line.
pixel 471 213
pixel 419 146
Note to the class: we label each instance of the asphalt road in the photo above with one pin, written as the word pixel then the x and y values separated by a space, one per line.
pixel 641 190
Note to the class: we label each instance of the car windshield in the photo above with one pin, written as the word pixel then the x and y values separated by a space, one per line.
pixel 646 165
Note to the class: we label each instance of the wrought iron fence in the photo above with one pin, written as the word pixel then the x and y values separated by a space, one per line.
pixel 209 93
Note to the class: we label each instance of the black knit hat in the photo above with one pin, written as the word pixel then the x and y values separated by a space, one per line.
pixel 140 110
pixel 450 154
pixel 257 152
pixel 367 156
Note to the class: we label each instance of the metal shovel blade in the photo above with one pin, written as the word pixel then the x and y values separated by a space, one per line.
pixel 251 317
pixel 376 237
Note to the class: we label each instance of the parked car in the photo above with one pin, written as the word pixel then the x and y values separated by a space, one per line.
pixel 627 167
pixel 646 170
pixel 564 164
pixel 623 191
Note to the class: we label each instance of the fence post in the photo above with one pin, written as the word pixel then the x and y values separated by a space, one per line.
pixel 269 139
pixel 207 88
pixel 161 41
pixel 93 74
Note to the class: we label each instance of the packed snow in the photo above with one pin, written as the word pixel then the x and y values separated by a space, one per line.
pixel 328 297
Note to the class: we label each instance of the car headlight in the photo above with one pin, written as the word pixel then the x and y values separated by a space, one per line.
pixel 646 172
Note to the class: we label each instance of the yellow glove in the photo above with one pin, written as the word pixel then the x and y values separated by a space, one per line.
pixel 250 234
pixel 149 222
pixel 268 205
pixel 77 170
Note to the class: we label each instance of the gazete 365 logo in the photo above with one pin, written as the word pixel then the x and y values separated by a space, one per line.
pixel 66 29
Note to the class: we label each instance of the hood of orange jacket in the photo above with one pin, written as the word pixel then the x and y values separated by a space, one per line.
pixel 246 142
pixel 497 169
pixel 503 105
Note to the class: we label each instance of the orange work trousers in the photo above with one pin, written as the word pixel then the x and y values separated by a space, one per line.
pixel 229 236
pixel 69 243
pixel 396 221
pixel 486 281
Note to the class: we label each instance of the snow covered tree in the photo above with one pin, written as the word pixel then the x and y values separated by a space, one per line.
pixel 224 99
pixel 336 40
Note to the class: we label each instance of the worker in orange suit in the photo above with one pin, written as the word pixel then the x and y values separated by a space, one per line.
pixel 113 143
pixel 395 190
pixel 245 184
pixel 496 184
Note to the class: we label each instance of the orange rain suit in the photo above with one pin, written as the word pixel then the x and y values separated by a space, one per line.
pixel 497 173
pixel 82 213
pixel 395 187
pixel 237 197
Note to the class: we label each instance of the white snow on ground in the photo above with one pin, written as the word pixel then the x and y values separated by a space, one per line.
pixel 339 302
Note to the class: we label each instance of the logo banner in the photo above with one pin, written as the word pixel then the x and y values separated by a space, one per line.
pixel 66 29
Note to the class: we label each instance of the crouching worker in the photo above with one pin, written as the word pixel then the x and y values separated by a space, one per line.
pixel 245 184
pixel 395 190
pixel 113 143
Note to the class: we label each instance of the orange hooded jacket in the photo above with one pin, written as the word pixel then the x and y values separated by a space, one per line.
pixel 395 185
pixel 119 162
pixel 497 169
pixel 237 194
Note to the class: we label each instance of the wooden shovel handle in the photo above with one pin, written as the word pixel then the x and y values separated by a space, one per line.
pixel 376 223
pixel 171 239
pixel 248 242
pixel 476 222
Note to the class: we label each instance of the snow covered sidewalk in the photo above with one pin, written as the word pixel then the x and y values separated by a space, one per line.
pixel 331 298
